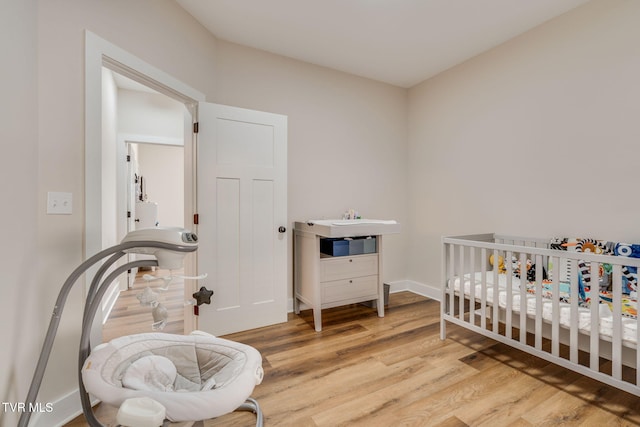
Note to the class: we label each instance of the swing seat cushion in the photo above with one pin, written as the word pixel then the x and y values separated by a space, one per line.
pixel 195 377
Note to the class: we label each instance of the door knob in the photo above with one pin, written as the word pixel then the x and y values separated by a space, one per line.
pixel 282 229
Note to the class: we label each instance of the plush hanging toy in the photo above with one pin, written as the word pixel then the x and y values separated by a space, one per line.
pixel 530 269
pixel 501 268
pixel 515 266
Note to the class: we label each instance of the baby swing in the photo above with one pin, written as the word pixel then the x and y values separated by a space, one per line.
pixel 153 377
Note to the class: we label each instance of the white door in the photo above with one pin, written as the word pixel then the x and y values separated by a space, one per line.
pixel 242 205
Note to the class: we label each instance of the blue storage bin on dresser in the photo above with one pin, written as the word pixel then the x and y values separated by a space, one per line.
pixel 362 245
pixel 334 247
pixel 369 245
pixel 356 246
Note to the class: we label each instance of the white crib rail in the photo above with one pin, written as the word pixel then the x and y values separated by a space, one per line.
pixel 483 311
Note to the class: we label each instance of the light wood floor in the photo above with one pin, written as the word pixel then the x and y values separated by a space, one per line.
pixel 362 370
pixel 129 317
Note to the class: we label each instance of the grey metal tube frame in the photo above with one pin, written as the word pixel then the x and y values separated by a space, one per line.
pixel 119 250
pixel 85 344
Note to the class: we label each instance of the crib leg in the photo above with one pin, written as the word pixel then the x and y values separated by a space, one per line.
pixel 252 405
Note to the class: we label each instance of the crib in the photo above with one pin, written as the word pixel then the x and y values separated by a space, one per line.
pixel 566 301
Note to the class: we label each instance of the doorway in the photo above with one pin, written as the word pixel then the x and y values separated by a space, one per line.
pixel 149 192
pixel 248 139
pixel 102 200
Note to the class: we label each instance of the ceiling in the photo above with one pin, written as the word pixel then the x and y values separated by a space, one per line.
pixel 400 42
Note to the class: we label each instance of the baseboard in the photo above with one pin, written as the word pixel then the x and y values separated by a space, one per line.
pixel 417 288
pixel 112 296
pixel 64 410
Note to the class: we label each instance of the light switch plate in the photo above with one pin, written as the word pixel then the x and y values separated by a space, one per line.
pixel 59 203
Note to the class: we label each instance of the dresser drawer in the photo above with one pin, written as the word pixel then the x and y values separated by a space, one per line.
pixel 347 267
pixel 340 290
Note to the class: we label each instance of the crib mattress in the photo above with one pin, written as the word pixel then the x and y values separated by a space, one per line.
pixel 629 325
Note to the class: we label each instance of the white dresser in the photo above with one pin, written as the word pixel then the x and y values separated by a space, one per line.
pixel 325 281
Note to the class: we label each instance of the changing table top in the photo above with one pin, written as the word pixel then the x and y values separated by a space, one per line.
pixel 348 227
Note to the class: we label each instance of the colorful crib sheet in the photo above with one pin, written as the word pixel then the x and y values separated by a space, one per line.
pixel 585 281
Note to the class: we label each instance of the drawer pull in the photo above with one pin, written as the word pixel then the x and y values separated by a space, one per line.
pixel 350 281
pixel 350 260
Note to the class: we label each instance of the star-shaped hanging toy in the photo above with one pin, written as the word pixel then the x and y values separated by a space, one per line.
pixel 203 296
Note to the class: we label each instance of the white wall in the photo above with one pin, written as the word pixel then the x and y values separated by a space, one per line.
pixel 346 141
pixel 162 168
pixel 491 140
pixel 20 304
pixel 151 114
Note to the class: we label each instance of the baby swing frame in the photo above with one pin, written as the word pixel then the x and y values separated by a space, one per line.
pixel 94 297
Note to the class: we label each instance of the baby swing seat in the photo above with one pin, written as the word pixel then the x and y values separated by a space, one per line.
pixel 195 377
pixel 152 376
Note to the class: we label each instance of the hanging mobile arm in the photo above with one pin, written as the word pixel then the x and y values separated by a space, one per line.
pixel 126 246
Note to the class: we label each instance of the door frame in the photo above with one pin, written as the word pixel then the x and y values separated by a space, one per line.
pixel 100 53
